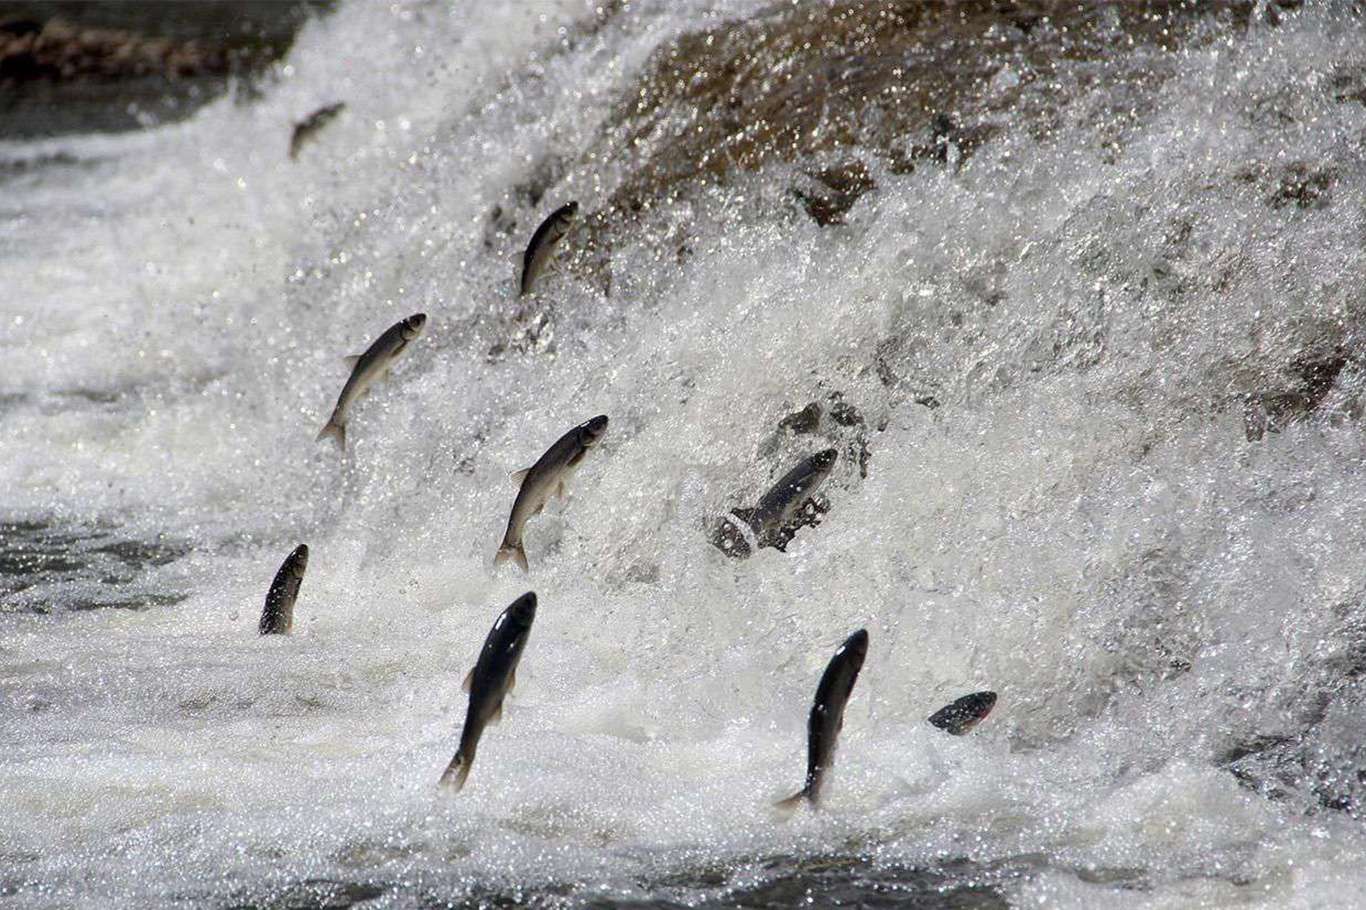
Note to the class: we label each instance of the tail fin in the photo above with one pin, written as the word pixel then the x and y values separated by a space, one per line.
pixel 456 772
pixel 513 552
pixel 337 431
pixel 792 802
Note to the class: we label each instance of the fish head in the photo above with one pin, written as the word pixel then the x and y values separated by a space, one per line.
pixel 856 645
pixel 298 560
pixel 413 325
pixel 567 215
pixel 978 704
pixel 591 432
pixel 523 610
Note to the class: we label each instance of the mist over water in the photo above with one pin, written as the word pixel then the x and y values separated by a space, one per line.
pixel 1106 373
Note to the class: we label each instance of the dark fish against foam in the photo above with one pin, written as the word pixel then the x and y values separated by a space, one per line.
pixel 781 506
pixel 547 477
pixel 964 713
pixel 278 616
pixel 305 129
pixel 375 363
pixel 541 250
pixel 490 681
pixel 827 716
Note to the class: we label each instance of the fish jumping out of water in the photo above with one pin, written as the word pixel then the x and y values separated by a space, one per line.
pixel 782 509
pixel 827 716
pixel 375 363
pixel 278 616
pixel 541 250
pixel 306 128
pixel 547 476
pixel 964 713
pixel 492 678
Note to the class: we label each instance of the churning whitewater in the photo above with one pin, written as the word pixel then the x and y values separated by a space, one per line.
pixel 1077 303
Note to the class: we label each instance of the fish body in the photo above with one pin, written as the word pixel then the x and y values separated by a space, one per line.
pixel 782 505
pixel 547 477
pixel 375 363
pixel 541 249
pixel 489 682
pixel 305 129
pixel 278 616
pixel 964 713
pixel 827 716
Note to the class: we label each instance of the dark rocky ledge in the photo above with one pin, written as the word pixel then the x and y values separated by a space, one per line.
pixel 72 65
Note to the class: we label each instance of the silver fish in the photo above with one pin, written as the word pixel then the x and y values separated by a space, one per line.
pixel 375 363
pixel 278 616
pixel 492 678
pixel 307 127
pixel 545 478
pixel 781 506
pixel 827 716
pixel 964 713
pixel 542 246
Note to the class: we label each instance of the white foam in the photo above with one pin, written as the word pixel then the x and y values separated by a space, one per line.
pixel 1082 510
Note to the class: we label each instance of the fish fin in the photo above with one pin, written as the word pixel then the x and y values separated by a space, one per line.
pixel 351 361
pixel 468 682
pixel 497 715
pixel 744 515
pixel 337 431
pixel 539 509
pixel 560 490
pixel 456 772
pixel 792 802
pixel 512 680
pixel 519 476
pixel 514 553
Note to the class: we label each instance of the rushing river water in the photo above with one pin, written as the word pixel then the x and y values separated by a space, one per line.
pixel 1079 297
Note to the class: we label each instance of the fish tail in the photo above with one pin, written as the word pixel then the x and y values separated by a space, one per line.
pixel 793 801
pixel 336 430
pixel 272 623
pixel 514 552
pixel 456 772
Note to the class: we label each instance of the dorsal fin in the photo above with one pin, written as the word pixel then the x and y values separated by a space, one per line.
pixel 519 476
pixel 469 681
pixel 351 361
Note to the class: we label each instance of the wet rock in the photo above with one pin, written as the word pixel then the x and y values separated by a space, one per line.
pixel 814 78
pixel 1304 187
pixel 1348 84
pixel 59 51
pixel 807 420
pixel 67 65
pixel 835 191
pixel 1308 380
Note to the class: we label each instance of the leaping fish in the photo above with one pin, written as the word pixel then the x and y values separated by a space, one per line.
pixel 964 713
pixel 546 477
pixel 490 681
pixel 781 506
pixel 827 716
pixel 305 129
pixel 278 616
pixel 375 363
pixel 541 249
